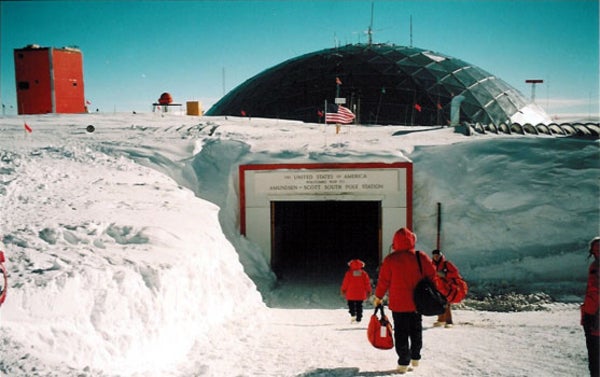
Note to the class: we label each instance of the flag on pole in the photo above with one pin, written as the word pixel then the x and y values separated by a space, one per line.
pixel 417 107
pixel 338 114
pixel 27 128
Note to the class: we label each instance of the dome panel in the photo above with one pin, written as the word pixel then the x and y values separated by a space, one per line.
pixel 481 93
pixel 465 77
pixel 478 73
pixel 451 65
pixel 505 103
pixel 492 88
pixel 421 59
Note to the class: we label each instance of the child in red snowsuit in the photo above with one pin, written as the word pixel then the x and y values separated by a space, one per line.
pixel 356 287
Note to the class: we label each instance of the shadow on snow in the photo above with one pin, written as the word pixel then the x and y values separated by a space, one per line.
pixel 345 372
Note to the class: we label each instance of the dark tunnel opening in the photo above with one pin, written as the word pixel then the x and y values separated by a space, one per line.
pixel 314 240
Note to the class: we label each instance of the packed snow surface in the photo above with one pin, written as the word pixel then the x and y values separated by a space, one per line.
pixel 125 258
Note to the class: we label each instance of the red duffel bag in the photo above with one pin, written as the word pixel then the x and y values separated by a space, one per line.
pixel 379 331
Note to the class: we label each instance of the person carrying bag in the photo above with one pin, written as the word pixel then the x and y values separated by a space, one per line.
pixel 399 275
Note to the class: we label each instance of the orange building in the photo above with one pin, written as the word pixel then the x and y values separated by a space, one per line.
pixel 49 80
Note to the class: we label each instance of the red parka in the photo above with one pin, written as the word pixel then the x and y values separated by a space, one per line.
pixel 399 272
pixel 590 308
pixel 356 285
pixel 452 285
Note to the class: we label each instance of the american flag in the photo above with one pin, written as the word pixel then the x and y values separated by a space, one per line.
pixel 338 114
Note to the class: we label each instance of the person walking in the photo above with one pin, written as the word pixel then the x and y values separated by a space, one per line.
pixel 452 284
pixel 589 311
pixel 356 287
pixel 399 274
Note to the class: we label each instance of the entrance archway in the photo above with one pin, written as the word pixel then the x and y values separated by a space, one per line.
pixel 311 218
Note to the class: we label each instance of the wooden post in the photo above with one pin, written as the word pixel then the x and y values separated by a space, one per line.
pixel 439 225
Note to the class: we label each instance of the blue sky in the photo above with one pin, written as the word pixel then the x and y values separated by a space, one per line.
pixel 135 50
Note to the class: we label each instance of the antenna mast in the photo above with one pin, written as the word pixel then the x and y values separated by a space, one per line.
pixel 370 30
pixel 223 81
pixel 411 30
pixel 533 82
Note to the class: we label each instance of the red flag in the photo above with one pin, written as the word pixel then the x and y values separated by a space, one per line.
pixel 338 81
pixel 320 114
pixel 243 112
pixel 439 106
pixel 27 128
pixel 418 107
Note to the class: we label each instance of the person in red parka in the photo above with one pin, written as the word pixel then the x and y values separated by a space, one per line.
pixel 452 286
pixel 589 311
pixel 356 287
pixel 398 275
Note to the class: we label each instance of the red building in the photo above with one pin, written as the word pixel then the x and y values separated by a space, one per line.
pixel 49 80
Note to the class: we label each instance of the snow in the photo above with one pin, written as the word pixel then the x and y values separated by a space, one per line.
pixel 531 113
pixel 125 258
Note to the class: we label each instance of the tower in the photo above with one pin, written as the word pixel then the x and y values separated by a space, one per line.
pixel 49 80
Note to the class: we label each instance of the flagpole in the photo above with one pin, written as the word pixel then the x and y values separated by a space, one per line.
pixel 338 82
pixel 325 119
pixel 325 126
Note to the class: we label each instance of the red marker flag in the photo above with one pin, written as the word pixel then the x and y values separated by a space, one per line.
pixel 27 128
pixel 418 107
pixel 4 286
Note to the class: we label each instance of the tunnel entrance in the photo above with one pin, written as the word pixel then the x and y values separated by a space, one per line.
pixel 315 239
pixel 309 219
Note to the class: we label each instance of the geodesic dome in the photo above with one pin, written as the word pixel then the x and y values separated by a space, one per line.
pixel 381 83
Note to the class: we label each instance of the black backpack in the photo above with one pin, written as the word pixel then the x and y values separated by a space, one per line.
pixel 428 299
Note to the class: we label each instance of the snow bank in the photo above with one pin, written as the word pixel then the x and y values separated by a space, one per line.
pixel 111 263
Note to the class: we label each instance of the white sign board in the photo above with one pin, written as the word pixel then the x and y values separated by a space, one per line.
pixel 326 182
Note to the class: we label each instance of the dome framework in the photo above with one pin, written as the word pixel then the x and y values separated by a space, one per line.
pixel 381 83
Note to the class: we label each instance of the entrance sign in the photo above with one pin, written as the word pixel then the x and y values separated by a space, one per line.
pixel 326 182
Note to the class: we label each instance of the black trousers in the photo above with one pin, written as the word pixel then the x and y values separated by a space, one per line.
pixel 593 344
pixel 408 336
pixel 355 308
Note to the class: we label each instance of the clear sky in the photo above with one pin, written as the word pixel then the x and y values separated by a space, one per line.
pixel 196 50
